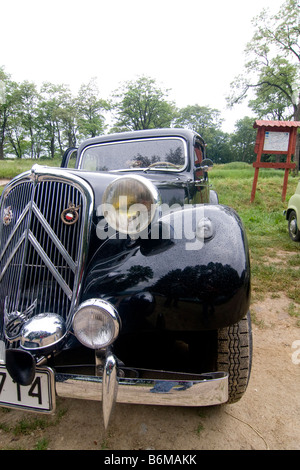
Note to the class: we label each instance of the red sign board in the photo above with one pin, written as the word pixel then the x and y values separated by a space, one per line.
pixel 275 137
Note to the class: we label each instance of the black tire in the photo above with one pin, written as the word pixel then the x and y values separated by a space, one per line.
pixel 235 356
pixel 294 233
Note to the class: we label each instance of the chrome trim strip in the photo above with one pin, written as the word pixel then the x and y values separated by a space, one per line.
pixel 2 352
pixel 50 265
pixel 186 392
pixel 14 251
pixel 54 238
pixel 14 230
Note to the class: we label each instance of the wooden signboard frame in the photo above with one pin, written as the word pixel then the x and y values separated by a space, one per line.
pixel 275 137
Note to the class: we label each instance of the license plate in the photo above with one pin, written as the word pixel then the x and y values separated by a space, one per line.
pixel 39 396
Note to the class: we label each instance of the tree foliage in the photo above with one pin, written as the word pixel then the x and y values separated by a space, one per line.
pixel 207 122
pixel 141 104
pixel 273 64
pixel 36 123
pixel 90 109
pixel 273 59
pixel 243 140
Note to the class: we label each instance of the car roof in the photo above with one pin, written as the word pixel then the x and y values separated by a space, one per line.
pixel 166 132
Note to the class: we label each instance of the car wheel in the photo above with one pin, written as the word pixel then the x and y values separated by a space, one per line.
pixel 293 227
pixel 235 356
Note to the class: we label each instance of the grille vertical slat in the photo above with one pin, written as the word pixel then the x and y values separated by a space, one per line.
pixel 43 268
pixel 13 239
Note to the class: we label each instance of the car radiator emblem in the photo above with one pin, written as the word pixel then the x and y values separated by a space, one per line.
pixel 69 216
pixel 7 216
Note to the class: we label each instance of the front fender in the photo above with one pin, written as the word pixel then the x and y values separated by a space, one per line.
pixel 294 205
pixel 177 283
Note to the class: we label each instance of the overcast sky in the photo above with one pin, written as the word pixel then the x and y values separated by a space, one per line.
pixel 193 47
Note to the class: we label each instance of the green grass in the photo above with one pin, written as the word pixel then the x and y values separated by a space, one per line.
pixel 32 426
pixel 12 167
pixel 275 259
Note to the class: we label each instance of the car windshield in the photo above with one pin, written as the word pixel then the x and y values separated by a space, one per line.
pixel 153 154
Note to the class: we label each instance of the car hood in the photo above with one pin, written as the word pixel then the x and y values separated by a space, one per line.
pixel 163 181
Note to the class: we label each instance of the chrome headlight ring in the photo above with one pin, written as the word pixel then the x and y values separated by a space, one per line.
pixel 96 323
pixel 130 204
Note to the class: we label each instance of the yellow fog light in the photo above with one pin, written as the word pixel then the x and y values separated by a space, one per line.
pixel 129 204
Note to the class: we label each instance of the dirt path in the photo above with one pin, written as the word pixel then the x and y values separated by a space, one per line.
pixel 267 417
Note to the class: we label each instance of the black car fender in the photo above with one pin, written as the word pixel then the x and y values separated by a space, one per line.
pixel 177 280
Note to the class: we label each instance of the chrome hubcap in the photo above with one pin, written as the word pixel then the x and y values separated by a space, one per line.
pixel 293 226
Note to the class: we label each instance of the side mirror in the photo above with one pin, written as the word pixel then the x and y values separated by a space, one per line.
pixel 206 164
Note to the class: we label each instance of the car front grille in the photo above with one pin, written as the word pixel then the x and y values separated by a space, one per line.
pixel 41 255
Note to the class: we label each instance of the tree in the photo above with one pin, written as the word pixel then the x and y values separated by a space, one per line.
pixel 90 110
pixel 218 148
pixel 207 122
pixel 8 88
pixel 68 119
pixel 243 140
pixel 24 131
pixel 141 104
pixel 54 115
pixel 198 118
pixel 272 70
pixel 18 143
pixel 34 123
pixel 274 96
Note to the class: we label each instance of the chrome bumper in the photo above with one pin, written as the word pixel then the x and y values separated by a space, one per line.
pixel 202 390
pixel 147 388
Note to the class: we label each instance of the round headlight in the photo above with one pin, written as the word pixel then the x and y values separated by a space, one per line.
pixel 96 324
pixel 129 204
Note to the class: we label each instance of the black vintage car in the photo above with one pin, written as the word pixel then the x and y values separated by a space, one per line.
pixel 123 279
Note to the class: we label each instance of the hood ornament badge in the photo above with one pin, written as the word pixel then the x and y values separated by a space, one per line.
pixel 70 216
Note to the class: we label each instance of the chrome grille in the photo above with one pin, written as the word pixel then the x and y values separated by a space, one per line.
pixel 41 257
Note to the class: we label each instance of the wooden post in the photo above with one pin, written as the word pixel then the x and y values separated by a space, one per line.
pixel 258 149
pixel 292 144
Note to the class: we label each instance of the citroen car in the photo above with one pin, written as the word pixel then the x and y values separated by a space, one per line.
pixel 123 279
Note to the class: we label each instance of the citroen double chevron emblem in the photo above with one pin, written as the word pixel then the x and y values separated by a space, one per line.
pixel 7 216
pixel 69 216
